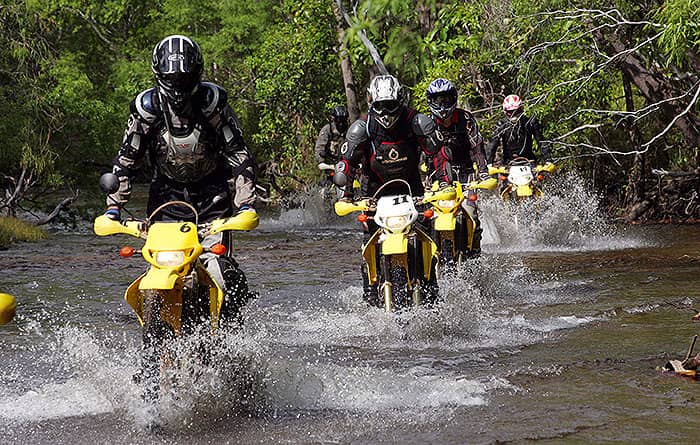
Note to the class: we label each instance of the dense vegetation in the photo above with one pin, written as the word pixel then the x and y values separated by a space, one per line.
pixel 615 83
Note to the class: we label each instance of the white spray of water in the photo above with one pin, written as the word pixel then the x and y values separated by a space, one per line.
pixel 567 218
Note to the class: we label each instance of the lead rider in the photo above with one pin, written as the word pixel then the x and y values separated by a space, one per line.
pixel 195 147
pixel 387 143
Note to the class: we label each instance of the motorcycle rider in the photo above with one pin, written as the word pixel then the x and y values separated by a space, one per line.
pixel 460 147
pixel 187 131
pixel 332 136
pixel 515 133
pixel 387 144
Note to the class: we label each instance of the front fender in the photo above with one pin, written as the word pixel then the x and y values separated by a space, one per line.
pixel 394 243
pixel 445 222
pixel 523 191
pixel 159 279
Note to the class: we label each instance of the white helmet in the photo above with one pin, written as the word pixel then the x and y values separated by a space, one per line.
pixel 385 99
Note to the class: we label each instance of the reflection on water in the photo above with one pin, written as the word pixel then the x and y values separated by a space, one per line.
pixel 554 333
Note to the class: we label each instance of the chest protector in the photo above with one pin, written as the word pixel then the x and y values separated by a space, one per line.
pixel 186 154
pixel 455 137
pixel 394 152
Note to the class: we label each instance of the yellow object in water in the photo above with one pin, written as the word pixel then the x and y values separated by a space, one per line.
pixel 7 308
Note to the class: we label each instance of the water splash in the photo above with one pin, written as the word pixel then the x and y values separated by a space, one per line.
pixel 312 207
pixel 567 218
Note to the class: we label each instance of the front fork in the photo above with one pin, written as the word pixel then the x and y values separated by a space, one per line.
pixel 409 266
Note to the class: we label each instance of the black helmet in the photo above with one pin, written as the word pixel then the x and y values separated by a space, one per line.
pixel 340 117
pixel 177 64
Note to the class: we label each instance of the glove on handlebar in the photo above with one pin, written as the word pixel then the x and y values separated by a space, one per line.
pixel 113 213
pixel 246 208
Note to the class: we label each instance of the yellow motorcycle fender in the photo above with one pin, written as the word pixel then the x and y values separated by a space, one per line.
pixel 369 253
pixel 159 279
pixel 445 222
pixel 429 252
pixel 394 244
pixel 523 191
pixel 171 306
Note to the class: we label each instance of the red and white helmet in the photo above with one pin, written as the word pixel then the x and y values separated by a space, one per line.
pixel 513 107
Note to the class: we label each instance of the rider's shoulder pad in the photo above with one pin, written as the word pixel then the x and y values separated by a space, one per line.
pixel 357 132
pixel 423 125
pixel 212 98
pixel 145 105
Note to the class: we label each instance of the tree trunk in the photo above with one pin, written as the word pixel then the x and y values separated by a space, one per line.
pixel 635 180
pixel 654 86
pixel 346 68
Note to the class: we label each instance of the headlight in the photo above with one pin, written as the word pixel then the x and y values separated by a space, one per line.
pixel 521 178
pixel 397 222
pixel 170 258
pixel 446 203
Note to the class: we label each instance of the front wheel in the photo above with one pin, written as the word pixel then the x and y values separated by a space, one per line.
pixel 155 333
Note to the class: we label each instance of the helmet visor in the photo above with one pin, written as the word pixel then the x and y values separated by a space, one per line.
pixel 443 100
pixel 384 107
pixel 185 82
pixel 513 113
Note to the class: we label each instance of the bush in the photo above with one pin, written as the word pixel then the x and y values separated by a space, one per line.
pixel 13 230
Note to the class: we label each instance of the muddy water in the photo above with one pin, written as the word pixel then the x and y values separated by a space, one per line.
pixel 554 335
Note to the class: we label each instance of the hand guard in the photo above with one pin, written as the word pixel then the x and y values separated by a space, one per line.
pixel 113 213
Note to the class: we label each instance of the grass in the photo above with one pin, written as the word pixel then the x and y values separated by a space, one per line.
pixel 13 230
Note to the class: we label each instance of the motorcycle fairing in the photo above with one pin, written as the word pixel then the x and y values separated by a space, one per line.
pixel 170 236
pixel 471 226
pixel 428 251
pixel 216 294
pixel 369 253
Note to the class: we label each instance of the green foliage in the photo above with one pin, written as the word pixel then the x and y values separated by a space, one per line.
pixel 69 69
pixel 681 36
pixel 13 230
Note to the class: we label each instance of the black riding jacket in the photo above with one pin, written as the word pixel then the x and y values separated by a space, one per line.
pixel 387 154
pixel 460 146
pixel 198 156
pixel 516 140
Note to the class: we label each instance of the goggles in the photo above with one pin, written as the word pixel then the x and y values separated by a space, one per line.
pixel 386 107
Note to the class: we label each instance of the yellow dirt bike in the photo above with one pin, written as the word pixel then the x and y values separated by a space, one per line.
pixel 177 292
pixel 451 215
pixel 519 180
pixel 399 257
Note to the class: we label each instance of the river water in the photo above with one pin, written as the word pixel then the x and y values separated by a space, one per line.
pixel 554 335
